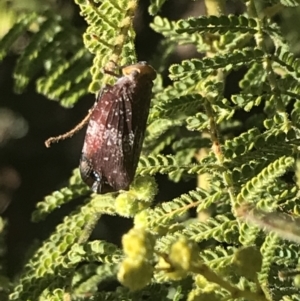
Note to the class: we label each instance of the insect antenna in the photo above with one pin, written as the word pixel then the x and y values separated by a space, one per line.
pixel 70 133
pixel 111 65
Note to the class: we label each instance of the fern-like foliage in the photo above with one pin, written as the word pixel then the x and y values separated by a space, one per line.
pixel 109 35
pixel 242 148
pixel 56 49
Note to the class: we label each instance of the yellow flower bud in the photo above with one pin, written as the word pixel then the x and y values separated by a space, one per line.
pixel 138 243
pixel 184 254
pixel 135 274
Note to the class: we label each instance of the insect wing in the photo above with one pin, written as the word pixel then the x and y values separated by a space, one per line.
pixel 109 140
pixel 90 162
pixel 118 144
pixel 141 105
pixel 116 130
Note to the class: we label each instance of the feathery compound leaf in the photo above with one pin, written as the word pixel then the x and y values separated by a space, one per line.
pixel 253 79
pixel 155 146
pixel 267 177
pixel 32 59
pixel 199 122
pixel 51 202
pixel 109 35
pixel 66 78
pixel 207 165
pixel 218 258
pixel 196 68
pixel 242 143
pixel 157 164
pixel 60 254
pixel 159 127
pixel 155 6
pixel 168 29
pixel 167 212
pixel 201 231
pixel 219 228
pixel 287 251
pixel 184 158
pixel 15 32
pixel 41 269
pixel 289 62
pixel 213 24
pixel 49 49
pixel 289 87
pixel 292 3
pixel 161 216
pixel 185 152
pixel 179 107
pixel 296 114
pixel 248 101
pixel 90 276
pixel 167 95
pixel 267 251
pixel 191 142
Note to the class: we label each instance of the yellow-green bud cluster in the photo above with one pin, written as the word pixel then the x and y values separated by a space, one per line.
pixel 136 269
pixel 138 243
pixel 184 254
pixel 202 295
pixel 145 188
pixel 127 205
pixel 139 197
pixel 205 290
pixel 182 258
pixel 135 274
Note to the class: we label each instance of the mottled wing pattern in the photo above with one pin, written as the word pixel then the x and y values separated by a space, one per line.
pixel 116 130
pixel 109 140
pixel 118 140
pixel 94 139
pixel 141 106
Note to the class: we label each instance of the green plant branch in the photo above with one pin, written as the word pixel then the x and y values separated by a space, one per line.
pixel 236 293
pixel 261 44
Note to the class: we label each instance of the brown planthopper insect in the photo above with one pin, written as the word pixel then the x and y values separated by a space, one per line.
pixel 116 129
